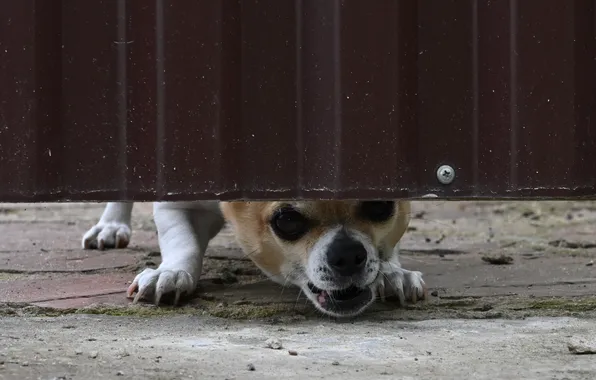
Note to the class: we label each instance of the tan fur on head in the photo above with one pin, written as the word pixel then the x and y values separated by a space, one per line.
pixel 340 253
pixel 251 226
pixel 401 223
pixel 250 221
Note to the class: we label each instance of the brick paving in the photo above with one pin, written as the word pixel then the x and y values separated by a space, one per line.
pixel 41 262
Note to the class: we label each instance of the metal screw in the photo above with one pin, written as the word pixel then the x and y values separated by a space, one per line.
pixel 445 174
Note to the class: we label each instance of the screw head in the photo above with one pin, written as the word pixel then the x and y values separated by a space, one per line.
pixel 445 174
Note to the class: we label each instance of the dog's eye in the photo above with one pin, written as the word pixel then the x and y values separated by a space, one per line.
pixel 289 224
pixel 376 211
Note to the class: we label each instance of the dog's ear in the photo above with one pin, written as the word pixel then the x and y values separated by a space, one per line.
pixel 401 224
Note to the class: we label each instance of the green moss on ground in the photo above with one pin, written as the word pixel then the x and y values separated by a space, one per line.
pixel 564 304
pixel 486 307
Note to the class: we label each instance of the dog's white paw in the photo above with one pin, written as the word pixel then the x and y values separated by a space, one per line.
pixel 107 235
pixel 407 285
pixel 153 284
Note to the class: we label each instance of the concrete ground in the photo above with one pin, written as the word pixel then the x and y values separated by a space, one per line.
pixel 512 285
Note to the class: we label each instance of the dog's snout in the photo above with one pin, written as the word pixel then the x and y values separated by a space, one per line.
pixel 345 255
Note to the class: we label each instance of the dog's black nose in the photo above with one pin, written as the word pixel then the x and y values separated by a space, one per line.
pixel 345 255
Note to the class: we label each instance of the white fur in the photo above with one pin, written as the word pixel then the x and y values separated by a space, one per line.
pixel 386 279
pixel 405 284
pixel 318 259
pixel 113 228
pixel 185 229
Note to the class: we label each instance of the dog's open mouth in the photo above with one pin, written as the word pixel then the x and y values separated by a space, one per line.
pixel 345 302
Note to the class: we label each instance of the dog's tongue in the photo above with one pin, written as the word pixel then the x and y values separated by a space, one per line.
pixel 322 298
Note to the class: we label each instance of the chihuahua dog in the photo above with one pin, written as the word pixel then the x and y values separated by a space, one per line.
pixel 341 254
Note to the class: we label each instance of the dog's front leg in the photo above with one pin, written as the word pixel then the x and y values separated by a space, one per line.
pixel 184 233
pixel 407 285
pixel 113 229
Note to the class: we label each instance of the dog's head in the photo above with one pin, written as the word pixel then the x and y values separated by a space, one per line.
pixel 332 250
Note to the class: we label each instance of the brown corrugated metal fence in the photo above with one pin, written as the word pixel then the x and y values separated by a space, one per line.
pixel 170 99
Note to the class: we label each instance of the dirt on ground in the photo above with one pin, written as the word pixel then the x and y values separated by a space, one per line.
pixel 484 261
pixel 480 260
